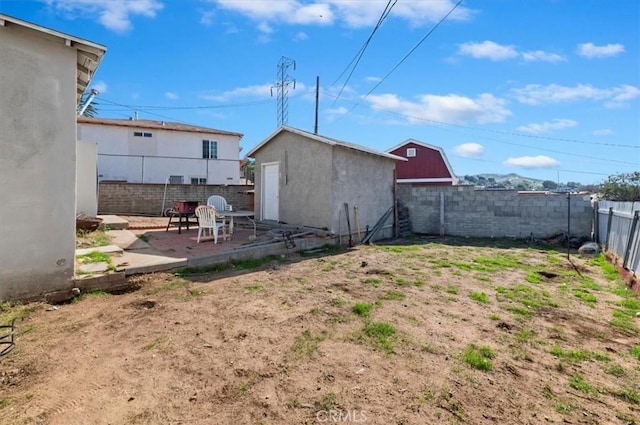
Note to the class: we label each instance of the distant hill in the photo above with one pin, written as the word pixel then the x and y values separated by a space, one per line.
pixel 509 181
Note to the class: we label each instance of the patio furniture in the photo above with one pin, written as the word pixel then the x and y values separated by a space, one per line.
pixel 249 215
pixel 210 220
pixel 183 210
pixel 219 202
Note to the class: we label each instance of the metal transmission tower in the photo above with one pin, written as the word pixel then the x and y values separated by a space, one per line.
pixel 282 87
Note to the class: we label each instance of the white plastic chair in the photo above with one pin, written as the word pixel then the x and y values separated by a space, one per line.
pixel 210 220
pixel 219 203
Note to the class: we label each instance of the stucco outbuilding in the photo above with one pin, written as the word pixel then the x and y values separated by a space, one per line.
pixel 304 179
pixel 43 74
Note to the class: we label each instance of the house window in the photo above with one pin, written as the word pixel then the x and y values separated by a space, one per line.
pixel 411 152
pixel 209 149
pixel 141 134
pixel 176 179
pixel 198 180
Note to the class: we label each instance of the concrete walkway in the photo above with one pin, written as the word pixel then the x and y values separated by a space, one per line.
pixel 151 250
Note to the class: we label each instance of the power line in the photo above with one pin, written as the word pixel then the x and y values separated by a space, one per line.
pixel 557 169
pixel 501 132
pixel 409 53
pixel 358 56
pixel 168 108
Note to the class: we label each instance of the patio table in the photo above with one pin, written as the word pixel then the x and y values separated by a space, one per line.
pixel 249 215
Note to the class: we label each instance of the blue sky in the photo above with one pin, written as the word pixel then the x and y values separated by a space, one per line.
pixel 547 89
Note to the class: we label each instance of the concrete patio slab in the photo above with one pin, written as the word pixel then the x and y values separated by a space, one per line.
pixel 109 249
pixel 113 222
pixel 127 240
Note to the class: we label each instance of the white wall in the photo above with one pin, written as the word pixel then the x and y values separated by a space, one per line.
pixel 86 178
pixel 37 163
pixel 167 153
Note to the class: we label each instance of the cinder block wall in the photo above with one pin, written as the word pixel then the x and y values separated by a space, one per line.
pixel 146 198
pixel 486 213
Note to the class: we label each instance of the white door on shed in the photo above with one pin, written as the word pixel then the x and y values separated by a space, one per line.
pixel 270 191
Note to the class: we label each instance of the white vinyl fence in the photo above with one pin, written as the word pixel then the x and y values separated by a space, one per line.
pixel 618 230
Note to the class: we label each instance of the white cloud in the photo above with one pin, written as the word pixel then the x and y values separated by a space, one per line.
pixel 536 94
pixel 206 17
pixel 341 110
pixel 353 14
pixel 255 91
pixel 603 132
pixel 301 36
pixel 545 127
pixel 287 11
pixel 469 150
pixel 542 56
pixel 263 90
pixel 112 14
pixel 590 50
pixel 373 79
pixel 487 50
pixel 101 86
pixel 171 95
pixel 539 161
pixel 450 108
pixel 265 28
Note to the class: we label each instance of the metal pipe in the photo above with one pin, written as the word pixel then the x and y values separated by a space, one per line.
pixel 84 107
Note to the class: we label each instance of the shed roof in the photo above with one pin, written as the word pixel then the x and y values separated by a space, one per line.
pixel 89 54
pixel 326 140
pixel 151 124
pixel 429 146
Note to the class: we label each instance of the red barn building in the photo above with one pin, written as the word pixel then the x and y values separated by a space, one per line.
pixel 426 164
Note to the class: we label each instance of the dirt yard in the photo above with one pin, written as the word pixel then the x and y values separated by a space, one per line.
pixel 430 331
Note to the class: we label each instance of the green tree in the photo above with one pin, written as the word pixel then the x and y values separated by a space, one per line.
pixel 622 187
pixel 248 169
pixel 549 184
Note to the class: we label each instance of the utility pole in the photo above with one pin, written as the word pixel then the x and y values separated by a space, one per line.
pixel 315 127
pixel 282 88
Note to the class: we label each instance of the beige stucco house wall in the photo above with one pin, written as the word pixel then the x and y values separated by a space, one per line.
pixel 42 76
pixel 317 175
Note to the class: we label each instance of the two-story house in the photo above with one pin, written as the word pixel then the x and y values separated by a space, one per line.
pixel 146 151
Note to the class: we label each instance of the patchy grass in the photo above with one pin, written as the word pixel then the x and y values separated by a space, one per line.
pixel 577 382
pixel 92 239
pixel 574 356
pixel 250 264
pixel 479 357
pixel 480 297
pixel 95 257
pixel 635 351
pixel 392 295
pixel 155 343
pixel 256 287
pixel 616 370
pixel 10 311
pixel 379 335
pixel 362 309
pixel 305 344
